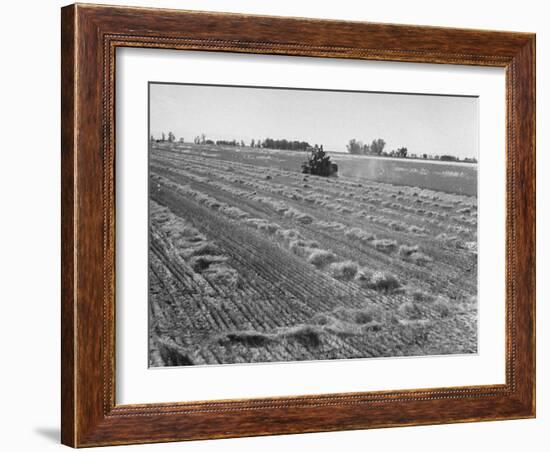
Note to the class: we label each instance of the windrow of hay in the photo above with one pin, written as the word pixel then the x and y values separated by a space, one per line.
pixel 405 251
pixel 442 307
pixel 358 316
pixel 385 245
pixel 247 338
pixel 233 212
pixel 387 188
pixel 223 275
pixel 171 354
pixel 307 335
pixel 303 248
pixel 424 304
pixel 363 277
pixel 345 270
pixel 416 230
pixel 300 217
pixel 201 263
pixel 203 256
pixel 359 234
pixel 411 311
pixel 263 225
pixel 204 248
pixel 322 258
pixel 384 282
pixel 420 258
pixel 420 296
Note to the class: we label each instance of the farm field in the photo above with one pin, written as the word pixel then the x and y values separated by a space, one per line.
pixel 252 261
pixel 449 177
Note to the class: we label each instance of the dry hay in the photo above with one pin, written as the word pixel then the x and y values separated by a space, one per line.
pixel 263 225
pixel 321 258
pixel 306 335
pixel 223 275
pixel 300 217
pixel 385 245
pixel 363 277
pixel 289 234
pixel 171 354
pixel 358 316
pixel 303 248
pixel 345 270
pixel 204 249
pixel 411 311
pixel 420 296
pixel 201 263
pixel 384 282
pixel 247 338
pixel 359 234
pixel 442 307
pixel 405 251
pixel 420 258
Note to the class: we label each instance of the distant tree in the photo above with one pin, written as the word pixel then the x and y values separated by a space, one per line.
pixel 203 138
pixel 227 143
pixel 402 152
pixel 424 156
pixel 182 140
pixel 252 143
pixel 270 143
pixel 355 147
pixel 163 139
pixel 171 137
pixel 448 158
pixel 377 146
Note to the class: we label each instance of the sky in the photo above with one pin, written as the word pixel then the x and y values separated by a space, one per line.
pixel 421 123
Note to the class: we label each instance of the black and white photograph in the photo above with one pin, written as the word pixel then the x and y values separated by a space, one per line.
pixel 292 224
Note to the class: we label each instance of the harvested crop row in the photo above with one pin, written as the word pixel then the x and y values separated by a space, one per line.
pixel 383 245
pixel 392 223
pixel 322 259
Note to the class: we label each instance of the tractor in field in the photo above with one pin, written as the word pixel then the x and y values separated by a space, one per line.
pixel 319 164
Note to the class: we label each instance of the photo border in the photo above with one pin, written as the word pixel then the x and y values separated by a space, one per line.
pixel 90 36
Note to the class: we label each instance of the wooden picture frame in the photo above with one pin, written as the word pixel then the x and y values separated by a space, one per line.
pixel 90 35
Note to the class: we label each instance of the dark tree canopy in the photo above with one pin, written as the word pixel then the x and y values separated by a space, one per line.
pixel 270 143
pixel 358 148
pixel 402 152
pixel 355 147
pixel 377 146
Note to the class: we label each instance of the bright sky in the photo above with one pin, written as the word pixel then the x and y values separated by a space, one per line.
pixel 422 123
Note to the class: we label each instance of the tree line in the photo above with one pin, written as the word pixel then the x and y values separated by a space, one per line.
pixel 267 143
pixel 376 147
